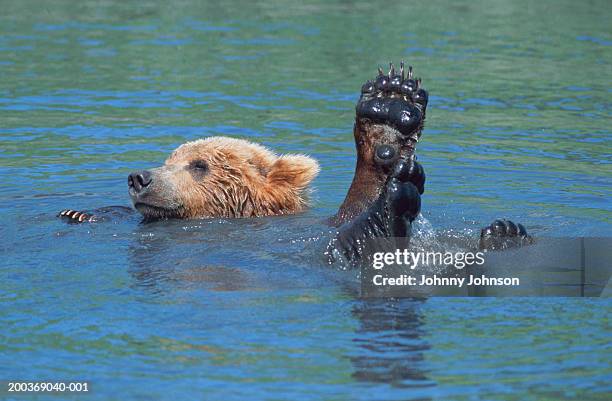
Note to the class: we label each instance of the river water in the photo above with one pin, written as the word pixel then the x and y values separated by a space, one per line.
pixel 518 126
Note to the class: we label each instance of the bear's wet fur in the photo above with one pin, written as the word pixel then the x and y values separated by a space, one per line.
pixel 226 177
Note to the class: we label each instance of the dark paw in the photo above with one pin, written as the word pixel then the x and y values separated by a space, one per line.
pixel 395 99
pixel 503 234
pixel 74 216
pixel 390 216
pixel 410 171
pixel 402 191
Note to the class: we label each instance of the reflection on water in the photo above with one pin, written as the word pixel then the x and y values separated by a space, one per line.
pixel 390 343
pixel 517 127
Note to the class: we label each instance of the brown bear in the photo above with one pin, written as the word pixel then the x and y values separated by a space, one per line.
pixel 225 177
pixel 219 177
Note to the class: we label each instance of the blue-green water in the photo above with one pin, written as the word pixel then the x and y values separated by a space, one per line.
pixel 518 126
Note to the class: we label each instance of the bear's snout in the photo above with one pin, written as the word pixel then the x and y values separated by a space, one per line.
pixel 139 180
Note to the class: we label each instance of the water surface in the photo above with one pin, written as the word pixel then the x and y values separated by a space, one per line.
pixel 518 126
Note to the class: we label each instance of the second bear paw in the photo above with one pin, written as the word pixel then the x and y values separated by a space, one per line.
pixel 403 189
pixel 504 234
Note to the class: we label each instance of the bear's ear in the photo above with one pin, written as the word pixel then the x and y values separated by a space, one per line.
pixel 296 171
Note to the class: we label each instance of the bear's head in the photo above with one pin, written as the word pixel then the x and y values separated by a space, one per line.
pixel 223 177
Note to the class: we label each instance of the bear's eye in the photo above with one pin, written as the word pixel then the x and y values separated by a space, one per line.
pixel 199 165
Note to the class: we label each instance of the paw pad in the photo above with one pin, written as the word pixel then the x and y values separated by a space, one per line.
pixel 396 99
pixel 404 189
pixel 410 171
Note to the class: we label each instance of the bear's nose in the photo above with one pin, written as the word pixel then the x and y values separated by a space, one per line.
pixel 139 180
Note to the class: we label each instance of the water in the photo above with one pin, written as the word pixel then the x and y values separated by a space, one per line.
pixel 518 126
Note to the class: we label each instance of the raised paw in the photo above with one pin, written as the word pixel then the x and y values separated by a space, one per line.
pixel 390 115
pixel 396 99
pixel 74 216
pixel 504 234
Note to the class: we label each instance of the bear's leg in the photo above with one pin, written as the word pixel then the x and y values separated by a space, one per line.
pixel 389 119
pixel 503 234
pixel 390 215
pixel 96 215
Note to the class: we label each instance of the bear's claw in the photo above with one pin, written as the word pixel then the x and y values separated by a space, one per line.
pixel 395 99
pixel 75 216
pixel 96 215
pixel 503 234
